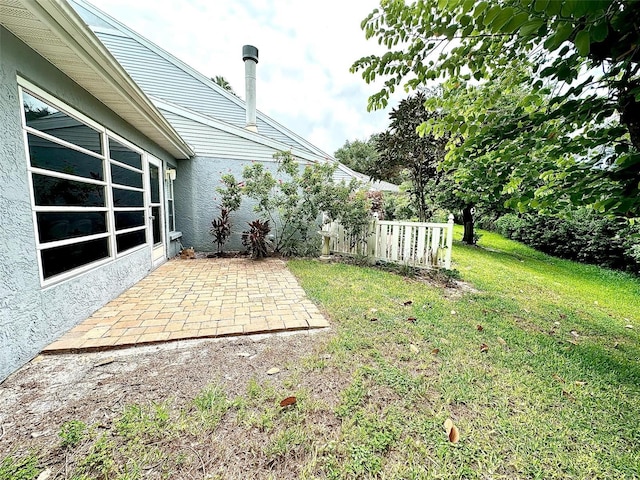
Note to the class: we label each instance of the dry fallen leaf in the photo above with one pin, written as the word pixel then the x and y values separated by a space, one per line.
pixel 288 401
pixel 580 383
pixel 479 327
pixel 558 378
pixel 574 334
pixel 454 435
pixel 452 431
pixel 484 348
pixel 448 425
pixel 273 371
pixel 414 349
pixel 628 326
pixel 435 351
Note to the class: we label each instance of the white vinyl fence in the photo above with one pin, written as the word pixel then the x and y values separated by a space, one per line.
pixel 411 243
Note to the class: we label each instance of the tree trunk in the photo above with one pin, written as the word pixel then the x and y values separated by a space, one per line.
pixel 467 220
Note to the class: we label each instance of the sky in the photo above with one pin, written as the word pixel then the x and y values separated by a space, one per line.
pixel 305 51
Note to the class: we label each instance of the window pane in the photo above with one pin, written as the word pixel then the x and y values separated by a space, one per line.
pixel 122 154
pixel 124 176
pixel 62 259
pixel 50 155
pixel 172 222
pixel 155 212
pixel 154 177
pixel 125 241
pixel 127 198
pixel 51 191
pixel 48 119
pixel 60 226
pixel 126 220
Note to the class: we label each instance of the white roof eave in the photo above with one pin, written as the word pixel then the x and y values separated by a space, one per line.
pixel 55 31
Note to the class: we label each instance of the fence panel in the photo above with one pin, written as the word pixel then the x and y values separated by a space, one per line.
pixel 410 243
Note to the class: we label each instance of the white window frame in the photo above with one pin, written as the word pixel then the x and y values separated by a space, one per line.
pixel 171 207
pixel 106 183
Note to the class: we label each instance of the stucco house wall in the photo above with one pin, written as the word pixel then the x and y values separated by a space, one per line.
pixel 32 316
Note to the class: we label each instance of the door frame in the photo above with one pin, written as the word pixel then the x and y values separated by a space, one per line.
pixel 158 250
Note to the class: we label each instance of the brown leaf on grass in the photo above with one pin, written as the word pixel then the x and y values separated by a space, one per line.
pixel 484 348
pixel 288 401
pixel 558 378
pixel 412 319
pixel 479 327
pixel 407 303
pixel 452 431
pixel 435 351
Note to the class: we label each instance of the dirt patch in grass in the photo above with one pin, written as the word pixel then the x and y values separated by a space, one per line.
pixel 96 388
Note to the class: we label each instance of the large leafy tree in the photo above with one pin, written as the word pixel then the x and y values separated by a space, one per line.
pixel 544 92
pixel 361 155
pixel 402 148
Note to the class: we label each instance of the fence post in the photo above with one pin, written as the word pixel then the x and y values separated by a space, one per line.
pixel 372 238
pixel 447 258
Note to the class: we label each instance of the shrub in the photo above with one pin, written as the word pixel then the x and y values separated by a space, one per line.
pixel 294 202
pixel 256 238
pixel 221 229
pixel 231 198
pixel 582 235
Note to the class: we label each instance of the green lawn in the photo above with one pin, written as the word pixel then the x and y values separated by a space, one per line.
pixel 554 392
pixel 542 402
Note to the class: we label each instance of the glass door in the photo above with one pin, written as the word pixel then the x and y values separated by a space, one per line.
pixel 156 213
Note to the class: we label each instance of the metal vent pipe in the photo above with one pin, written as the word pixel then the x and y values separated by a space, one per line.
pixel 250 58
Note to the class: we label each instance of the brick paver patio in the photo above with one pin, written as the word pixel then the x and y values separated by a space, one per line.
pixel 185 299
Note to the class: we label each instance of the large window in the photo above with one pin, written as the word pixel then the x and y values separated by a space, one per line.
pixel 88 189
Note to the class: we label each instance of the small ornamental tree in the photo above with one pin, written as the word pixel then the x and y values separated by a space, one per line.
pixel 231 198
pixel 294 202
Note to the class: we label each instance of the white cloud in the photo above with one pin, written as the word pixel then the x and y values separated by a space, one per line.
pixel 306 49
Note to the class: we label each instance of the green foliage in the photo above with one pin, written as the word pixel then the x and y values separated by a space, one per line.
pixel 542 99
pixel 212 403
pixel 402 148
pixel 294 202
pixel 231 199
pixel 143 421
pixel 230 192
pixel 582 235
pixel 72 433
pixel 22 468
pixel 362 155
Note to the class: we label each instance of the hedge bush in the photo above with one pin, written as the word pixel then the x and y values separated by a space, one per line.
pixel 583 236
